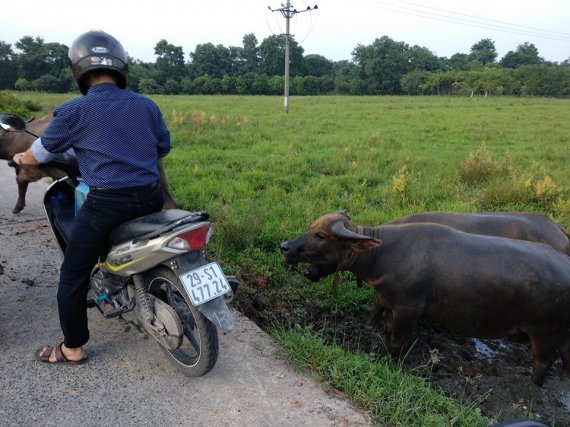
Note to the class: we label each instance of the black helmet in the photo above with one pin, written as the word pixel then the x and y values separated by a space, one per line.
pixel 97 50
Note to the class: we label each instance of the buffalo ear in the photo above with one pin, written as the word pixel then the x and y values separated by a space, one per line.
pixel 344 213
pixel 362 245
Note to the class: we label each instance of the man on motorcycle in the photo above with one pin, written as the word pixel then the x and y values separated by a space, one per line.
pixel 117 136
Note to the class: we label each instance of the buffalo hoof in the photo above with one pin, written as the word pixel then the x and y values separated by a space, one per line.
pixel 17 209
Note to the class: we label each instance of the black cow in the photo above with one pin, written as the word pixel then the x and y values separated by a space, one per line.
pixel 475 285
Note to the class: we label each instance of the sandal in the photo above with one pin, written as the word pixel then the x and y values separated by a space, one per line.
pixel 43 354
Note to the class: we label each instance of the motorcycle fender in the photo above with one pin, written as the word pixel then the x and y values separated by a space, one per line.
pixel 217 312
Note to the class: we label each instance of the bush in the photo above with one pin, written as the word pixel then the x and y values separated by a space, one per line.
pixel 562 212
pixel 479 166
pixel 520 191
pixel 12 105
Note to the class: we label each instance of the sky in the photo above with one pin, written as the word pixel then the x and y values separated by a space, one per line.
pixel 333 30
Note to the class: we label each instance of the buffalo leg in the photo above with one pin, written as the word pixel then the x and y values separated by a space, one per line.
pixel 388 322
pixel 377 312
pixel 169 200
pixel 544 353
pixel 564 350
pixel 401 325
pixel 22 189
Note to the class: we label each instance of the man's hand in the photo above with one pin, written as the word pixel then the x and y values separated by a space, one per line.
pixel 25 159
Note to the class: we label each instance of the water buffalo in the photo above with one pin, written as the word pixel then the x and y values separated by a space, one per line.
pixel 474 285
pixel 515 225
pixel 12 143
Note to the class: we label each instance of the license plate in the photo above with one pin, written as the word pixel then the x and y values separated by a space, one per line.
pixel 205 283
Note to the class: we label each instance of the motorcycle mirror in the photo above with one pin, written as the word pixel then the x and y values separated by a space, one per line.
pixel 11 123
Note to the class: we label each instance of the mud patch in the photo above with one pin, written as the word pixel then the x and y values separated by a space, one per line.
pixel 494 373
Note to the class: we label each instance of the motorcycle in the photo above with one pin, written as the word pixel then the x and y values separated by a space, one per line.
pixel 154 274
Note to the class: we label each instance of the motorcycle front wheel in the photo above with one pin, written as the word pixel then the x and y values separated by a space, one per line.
pixel 198 352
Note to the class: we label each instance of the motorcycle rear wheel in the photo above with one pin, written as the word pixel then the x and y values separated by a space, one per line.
pixel 198 352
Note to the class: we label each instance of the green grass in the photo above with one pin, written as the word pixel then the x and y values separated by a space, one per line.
pixel 392 396
pixel 264 176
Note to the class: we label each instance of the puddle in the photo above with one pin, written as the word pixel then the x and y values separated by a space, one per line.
pixel 489 351
pixel 483 350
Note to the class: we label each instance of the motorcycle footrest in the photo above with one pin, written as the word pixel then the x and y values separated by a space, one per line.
pixel 112 313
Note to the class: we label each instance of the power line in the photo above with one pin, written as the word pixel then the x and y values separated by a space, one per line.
pixel 465 22
pixel 487 19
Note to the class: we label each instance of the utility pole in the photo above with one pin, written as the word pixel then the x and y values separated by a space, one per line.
pixel 288 12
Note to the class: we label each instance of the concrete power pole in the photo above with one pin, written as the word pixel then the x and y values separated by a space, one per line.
pixel 288 12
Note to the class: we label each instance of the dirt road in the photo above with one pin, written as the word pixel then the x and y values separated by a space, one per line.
pixel 127 381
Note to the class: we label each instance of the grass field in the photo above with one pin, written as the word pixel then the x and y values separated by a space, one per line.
pixel 264 176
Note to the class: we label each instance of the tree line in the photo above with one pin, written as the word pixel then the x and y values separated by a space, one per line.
pixel 385 67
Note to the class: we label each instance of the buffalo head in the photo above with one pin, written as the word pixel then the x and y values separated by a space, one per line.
pixel 330 245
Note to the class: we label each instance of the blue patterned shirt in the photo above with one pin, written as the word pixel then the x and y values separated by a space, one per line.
pixel 117 135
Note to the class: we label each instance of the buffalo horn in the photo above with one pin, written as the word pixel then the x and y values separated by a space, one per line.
pixel 339 230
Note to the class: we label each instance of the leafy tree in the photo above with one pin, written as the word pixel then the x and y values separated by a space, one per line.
pixel 493 81
pixel 137 71
pixel 441 83
pixel 483 51
pixel 326 84
pixel 55 58
pixel 22 84
pixel 169 62
pixel 459 61
pixel 171 87
pixel 383 64
pixel 187 86
pixel 344 72
pixel 414 82
pixel 30 59
pixel 148 86
pixel 542 80
pixel 260 84
pixel 276 85
pixel 206 85
pixel 565 84
pixel 47 83
pixel 214 61
pixel 228 84
pixel 272 51
pixel 244 83
pixel 422 59
pixel 357 87
pixel 8 71
pixel 525 54
pixel 250 54
pixel 304 86
pixel 317 65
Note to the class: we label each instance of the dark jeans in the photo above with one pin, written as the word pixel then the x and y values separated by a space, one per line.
pixel 102 211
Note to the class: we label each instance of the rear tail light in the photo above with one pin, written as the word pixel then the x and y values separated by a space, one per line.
pixel 192 240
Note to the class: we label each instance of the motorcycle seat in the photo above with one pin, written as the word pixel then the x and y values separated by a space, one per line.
pixel 153 225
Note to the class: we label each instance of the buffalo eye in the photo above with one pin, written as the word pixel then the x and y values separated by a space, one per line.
pixel 320 236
